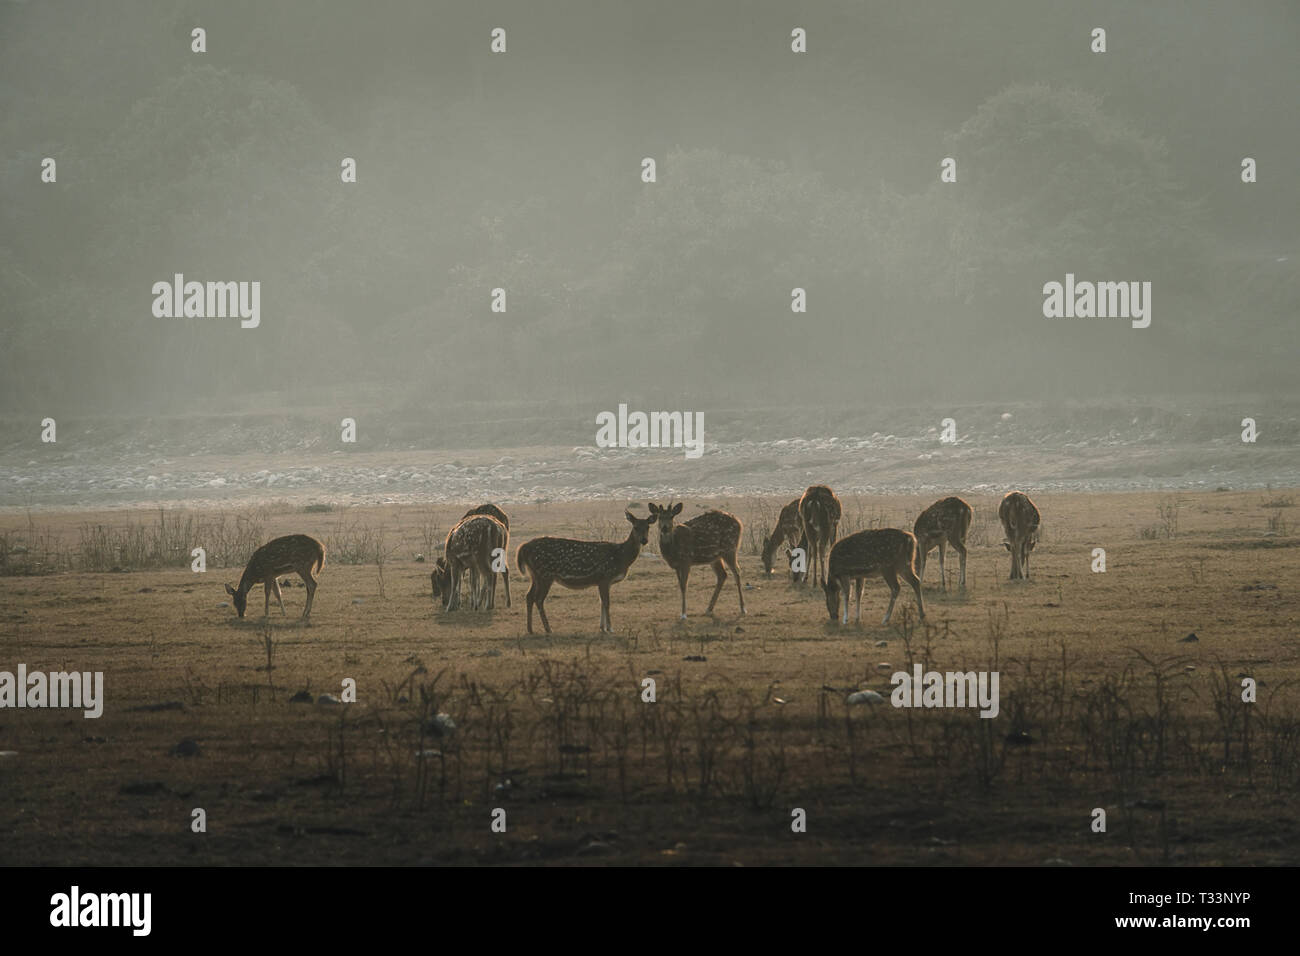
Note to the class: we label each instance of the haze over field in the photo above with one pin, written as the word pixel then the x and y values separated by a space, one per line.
pixel 522 171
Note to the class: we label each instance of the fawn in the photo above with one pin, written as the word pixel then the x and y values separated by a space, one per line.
pixel 889 552
pixel 578 565
pixel 293 552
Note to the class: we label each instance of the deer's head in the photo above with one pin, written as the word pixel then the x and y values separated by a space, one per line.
pixel 665 514
pixel 641 526
pixel 441 580
pixel 240 599
pixel 832 589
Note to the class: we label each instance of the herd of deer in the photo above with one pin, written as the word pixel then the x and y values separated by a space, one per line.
pixel 807 526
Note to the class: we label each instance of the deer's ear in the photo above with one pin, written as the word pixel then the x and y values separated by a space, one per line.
pixel 229 589
pixel 677 508
pixel 630 517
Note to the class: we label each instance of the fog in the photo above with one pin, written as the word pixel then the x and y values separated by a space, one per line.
pixel 523 171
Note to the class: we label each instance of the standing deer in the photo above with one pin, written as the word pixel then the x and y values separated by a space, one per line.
pixel 819 510
pixel 578 565
pixel 470 546
pixel 711 538
pixel 1020 522
pixel 889 552
pixel 493 511
pixel 944 522
pixel 293 552
pixel 788 530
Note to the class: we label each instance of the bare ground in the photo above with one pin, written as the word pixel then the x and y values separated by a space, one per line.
pixel 1103 703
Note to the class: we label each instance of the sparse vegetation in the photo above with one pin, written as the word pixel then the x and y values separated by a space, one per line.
pixel 1097 709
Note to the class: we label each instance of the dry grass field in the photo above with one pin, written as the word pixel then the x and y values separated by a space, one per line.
pixel 1104 702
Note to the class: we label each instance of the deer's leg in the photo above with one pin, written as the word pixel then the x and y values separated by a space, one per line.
pixel 857 587
pixel 921 553
pixel 915 582
pixel 722 579
pixel 960 548
pixel 605 624
pixel 453 602
pixel 529 599
pixel 740 590
pixel 683 573
pixel 310 582
pixel 266 592
pixel 844 584
pixel 543 588
pixel 1024 561
pixel 505 575
pixel 892 580
pixel 943 574
pixel 275 587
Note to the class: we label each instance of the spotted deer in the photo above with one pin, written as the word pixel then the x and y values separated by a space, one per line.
pixel 578 565
pixel 944 522
pixel 819 510
pixel 493 511
pixel 889 552
pixel 293 552
pixel 711 538
pixel 1019 519
pixel 788 530
pixel 471 546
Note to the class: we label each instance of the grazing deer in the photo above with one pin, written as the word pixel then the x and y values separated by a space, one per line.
pixel 1020 522
pixel 578 565
pixel 493 511
pixel 788 530
pixel 944 522
pixel 820 511
pixel 711 538
pixel 889 552
pixel 293 552
pixel 470 546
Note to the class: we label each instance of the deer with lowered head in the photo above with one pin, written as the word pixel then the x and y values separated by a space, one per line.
pixel 293 552
pixel 888 552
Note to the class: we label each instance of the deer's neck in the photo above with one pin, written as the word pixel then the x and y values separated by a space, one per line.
pixel 629 549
